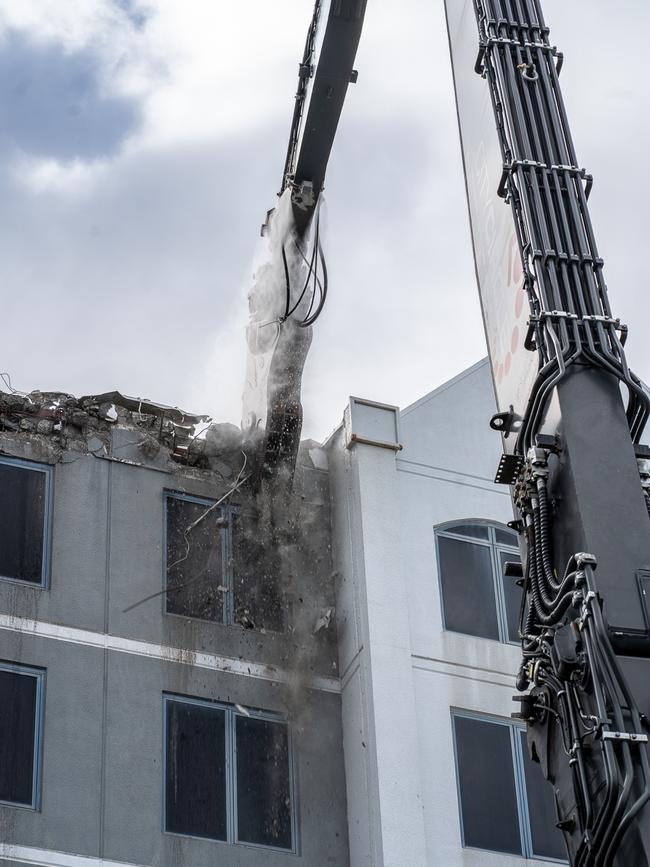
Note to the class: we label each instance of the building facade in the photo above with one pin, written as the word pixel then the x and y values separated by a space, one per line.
pixel 180 687
pixel 166 698
pixel 437 771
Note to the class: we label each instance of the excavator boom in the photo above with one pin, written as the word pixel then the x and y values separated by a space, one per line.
pixel 571 414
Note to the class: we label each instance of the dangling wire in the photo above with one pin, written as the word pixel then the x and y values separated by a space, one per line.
pixel 314 286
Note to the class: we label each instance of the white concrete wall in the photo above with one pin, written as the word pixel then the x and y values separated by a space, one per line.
pixel 402 673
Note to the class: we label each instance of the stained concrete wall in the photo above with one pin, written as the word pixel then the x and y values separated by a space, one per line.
pixel 107 670
pixel 401 671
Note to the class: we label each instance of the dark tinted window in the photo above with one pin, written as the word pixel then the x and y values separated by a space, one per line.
pixel 506 537
pixel 18 720
pixel 547 840
pixel 512 594
pixel 22 522
pixel 263 789
pixel 473 531
pixel 487 786
pixel 194 559
pixel 468 588
pixel 258 600
pixel 196 770
pixel 227 773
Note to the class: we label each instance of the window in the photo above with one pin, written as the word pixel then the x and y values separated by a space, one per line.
pixel 477 598
pixel 217 567
pixel 506 805
pixel 21 697
pixel 25 509
pixel 195 558
pixel 228 774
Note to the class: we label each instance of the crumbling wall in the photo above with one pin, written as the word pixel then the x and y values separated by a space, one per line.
pixel 281 550
pixel 114 458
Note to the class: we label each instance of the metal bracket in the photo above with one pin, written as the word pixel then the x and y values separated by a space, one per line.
pixel 303 195
pixel 630 737
pixel 505 422
pixel 585 612
pixel 548 442
pixel 605 320
pixel 508 469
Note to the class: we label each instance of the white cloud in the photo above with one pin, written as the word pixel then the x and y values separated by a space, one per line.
pixel 69 178
pixel 73 23
pixel 101 26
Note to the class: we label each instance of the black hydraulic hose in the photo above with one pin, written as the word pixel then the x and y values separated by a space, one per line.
pixel 538 391
pixel 618 676
pixel 584 785
pixel 522 150
pixel 604 664
pixel 607 829
pixel 535 600
pixel 571 734
pixel 310 320
pixel 568 579
pixel 287 283
pixel 546 602
pixel 534 108
pixel 554 615
pixel 612 781
pixel 532 423
pixel 541 154
pixel 318 287
pixel 309 275
pixel 544 535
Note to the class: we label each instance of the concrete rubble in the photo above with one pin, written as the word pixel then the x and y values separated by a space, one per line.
pixel 95 424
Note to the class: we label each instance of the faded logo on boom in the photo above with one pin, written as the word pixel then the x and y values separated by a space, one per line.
pixel 497 259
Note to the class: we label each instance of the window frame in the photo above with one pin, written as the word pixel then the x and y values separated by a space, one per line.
pixel 48 513
pixel 225 511
pixel 231 714
pixel 446 530
pixel 39 675
pixel 525 829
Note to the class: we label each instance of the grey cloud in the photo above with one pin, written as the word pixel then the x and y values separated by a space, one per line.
pixel 134 11
pixel 53 103
pixel 128 286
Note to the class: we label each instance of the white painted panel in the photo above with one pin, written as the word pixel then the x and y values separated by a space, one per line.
pixel 48 858
pixel 357 757
pixel 373 421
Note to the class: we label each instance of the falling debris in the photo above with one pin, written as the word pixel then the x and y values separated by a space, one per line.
pixel 244 620
pixel 324 621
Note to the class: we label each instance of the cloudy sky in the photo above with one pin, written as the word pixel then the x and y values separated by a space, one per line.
pixel 142 141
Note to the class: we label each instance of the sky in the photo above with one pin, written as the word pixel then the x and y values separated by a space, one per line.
pixel 143 141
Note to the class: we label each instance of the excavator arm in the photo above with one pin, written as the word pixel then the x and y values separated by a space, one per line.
pixel 290 281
